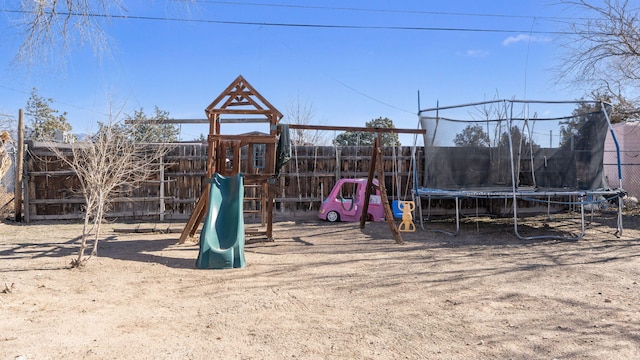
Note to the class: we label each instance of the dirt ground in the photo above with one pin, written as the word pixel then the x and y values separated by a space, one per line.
pixel 326 291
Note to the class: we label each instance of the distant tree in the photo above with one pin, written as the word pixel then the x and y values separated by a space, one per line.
pixel 473 136
pixel 44 120
pixel 354 138
pixel 201 138
pixel 576 131
pixel 114 129
pixel 518 140
pixel 300 112
pixel 622 108
pixel 153 133
pixel 7 123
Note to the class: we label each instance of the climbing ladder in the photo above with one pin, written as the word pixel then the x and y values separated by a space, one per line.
pixel 255 201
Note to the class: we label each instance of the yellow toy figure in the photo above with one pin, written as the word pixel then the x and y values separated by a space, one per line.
pixel 407 219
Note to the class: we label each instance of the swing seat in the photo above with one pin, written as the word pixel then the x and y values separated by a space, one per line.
pixel 397 212
pixel 407 224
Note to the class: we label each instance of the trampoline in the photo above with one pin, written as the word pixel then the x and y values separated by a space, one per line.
pixel 521 154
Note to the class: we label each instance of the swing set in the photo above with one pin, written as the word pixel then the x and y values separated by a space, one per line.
pixel 225 154
pixel 377 166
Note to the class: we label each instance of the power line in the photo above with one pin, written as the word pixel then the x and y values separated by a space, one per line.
pixel 327 26
pixel 338 81
pixel 415 12
pixel 298 25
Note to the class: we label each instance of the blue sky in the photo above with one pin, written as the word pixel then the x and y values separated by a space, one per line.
pixel 180 58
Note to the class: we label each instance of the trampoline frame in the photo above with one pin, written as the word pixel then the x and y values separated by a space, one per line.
pixel 527 195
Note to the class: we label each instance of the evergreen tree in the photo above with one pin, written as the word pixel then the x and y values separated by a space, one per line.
pixel 153 133
pixel 45 120
pixel 518 140
pixel 361 138
pixel 473 135
pixel 575 132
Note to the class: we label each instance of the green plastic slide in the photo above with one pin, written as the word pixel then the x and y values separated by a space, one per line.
pixel 222 236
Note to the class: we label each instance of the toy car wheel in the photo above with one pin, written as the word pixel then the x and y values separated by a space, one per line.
pixel 333 216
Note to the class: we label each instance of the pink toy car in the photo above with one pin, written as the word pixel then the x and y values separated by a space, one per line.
pixel 346 201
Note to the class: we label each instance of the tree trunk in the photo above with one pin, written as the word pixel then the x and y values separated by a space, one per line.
pixel 83 241
pixel 97 221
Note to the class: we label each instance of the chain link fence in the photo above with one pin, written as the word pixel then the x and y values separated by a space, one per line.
pixel 630 172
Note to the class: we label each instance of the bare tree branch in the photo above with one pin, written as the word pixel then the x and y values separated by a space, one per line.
pixel 301 112
pixel 605 49
pixel 51 26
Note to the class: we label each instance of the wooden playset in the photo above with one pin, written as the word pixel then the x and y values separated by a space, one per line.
pixel 224 151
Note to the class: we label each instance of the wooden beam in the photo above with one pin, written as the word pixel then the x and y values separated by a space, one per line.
pixel 240 91
pixel 367 192
pixel 241 111
pixel 263 204
pixel 356 129
pixel 135 199
pixel 243 120
pixel 270 203
pixel 246 139
pixel 237 82
pixel 199 121
pixel 388 213
pixel 168 121
pixel 236 145
pixel 241 97
pixel 196 216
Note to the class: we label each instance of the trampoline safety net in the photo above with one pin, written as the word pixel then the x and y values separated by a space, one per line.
pixel 510 144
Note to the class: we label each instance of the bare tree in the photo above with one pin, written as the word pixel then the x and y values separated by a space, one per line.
pixel 7 122
pixel 301 112
pixel 604 51
pixel 106 164
pixel 623 108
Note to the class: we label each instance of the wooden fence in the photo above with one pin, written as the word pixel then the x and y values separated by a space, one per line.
pixel 52 189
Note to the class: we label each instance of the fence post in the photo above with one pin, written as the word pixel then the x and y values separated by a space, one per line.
pixel 17 190
pixel 162 204
pixel 338 163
